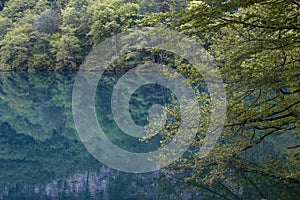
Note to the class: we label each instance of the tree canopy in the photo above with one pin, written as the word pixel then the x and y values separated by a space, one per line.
pixel 58 33
pixel 255 45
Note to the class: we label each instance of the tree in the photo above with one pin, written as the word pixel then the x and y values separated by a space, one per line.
pixel 2 2
pixel 47 22
pixel 255 45
pixel 158 6
pixel 5 23
pixel 18 38
pixel 75 16
pixel 110 18
pixel 66 49
pixel 15 9
pixel 15 48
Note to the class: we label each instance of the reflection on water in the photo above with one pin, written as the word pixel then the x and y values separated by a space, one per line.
pixel 102 184
pixel 41 156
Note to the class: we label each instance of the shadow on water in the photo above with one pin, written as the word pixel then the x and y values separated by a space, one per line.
pixel 41 156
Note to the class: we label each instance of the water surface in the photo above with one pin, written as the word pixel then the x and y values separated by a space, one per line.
pixel 41 156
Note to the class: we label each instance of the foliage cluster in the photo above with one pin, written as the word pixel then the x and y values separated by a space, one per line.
pixel 255 45
pixel 57 35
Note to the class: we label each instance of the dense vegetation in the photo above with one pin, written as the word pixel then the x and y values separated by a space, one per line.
pixel 256 47
pixel 255 44
pixel 57 35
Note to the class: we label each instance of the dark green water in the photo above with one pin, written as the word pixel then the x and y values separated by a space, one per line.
pixel 41 156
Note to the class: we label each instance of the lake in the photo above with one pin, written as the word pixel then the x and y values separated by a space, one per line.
pixel 42 156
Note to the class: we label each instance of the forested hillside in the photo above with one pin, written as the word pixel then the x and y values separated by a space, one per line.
pixel 58 34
